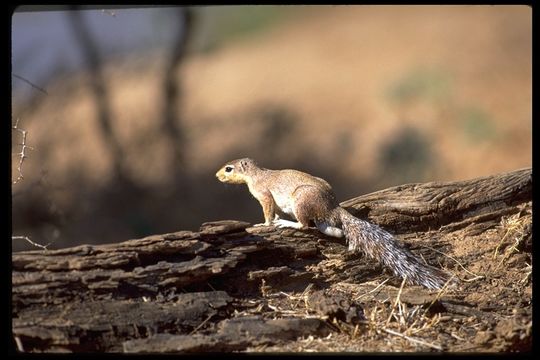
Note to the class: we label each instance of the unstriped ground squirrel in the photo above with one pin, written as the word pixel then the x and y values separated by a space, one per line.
pixel 308 198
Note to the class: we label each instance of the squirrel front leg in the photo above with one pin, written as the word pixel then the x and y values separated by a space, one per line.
pixel 268 207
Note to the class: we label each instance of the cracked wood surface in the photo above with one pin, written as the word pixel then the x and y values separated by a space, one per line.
pixel 184 291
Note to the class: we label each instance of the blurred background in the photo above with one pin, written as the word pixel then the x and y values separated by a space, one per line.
pixel 131 111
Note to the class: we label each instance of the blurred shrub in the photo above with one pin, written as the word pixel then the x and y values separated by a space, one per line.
pixel 221 24
pixel 407 155
pixel 421 83
pixel 477 125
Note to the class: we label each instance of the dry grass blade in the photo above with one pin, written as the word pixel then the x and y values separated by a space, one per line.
pixel 397 301
pixel 439 295
pixel 411 339
pixel 19 344
pixel 516 226
pixel 476 276
pixel 201 324
pixel 527 274
pixel 371 291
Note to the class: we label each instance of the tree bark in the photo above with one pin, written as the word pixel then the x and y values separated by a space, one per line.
pixel 209 290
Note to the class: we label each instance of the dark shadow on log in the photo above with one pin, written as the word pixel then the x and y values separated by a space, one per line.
pixel 212 290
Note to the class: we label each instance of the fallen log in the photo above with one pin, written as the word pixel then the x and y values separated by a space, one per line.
pixel 216 289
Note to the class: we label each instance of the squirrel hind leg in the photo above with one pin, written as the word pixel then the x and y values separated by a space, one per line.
pixel 330 230
pixel 282 223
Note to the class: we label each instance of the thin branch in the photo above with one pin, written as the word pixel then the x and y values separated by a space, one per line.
pixel 90 51
pixel 30 83
pixel 172 88
pixel 22 154
pixel 44 247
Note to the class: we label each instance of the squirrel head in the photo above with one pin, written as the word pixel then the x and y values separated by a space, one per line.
pixel 236 171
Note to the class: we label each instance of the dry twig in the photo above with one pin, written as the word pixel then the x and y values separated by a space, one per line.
pixel 29 83
pixel 22 155
pixel 44 247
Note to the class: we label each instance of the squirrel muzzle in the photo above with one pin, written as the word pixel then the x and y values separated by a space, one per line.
pixel 227 175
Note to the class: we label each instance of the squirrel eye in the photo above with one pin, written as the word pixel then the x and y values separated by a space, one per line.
pixel 228 169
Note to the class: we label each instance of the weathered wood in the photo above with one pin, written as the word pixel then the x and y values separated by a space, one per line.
pixel 233 334
pixel 72 325
pixel 184 291
pixel 419 207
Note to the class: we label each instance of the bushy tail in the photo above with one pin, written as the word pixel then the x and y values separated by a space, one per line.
pixel 383 247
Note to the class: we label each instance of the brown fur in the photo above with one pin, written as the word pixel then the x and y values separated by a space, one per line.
pixel 308 198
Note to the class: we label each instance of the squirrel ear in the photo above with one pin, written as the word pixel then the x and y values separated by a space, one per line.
pixel 246 162
pixel 243 165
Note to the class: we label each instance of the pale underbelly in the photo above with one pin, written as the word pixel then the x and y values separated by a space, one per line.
pixel 285 204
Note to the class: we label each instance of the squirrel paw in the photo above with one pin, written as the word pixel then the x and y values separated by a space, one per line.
pixel 262 224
